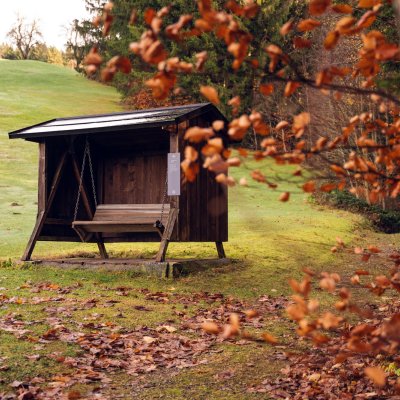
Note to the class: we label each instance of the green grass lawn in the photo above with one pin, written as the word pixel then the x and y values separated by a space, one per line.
pixel 269 240
pixel 32 92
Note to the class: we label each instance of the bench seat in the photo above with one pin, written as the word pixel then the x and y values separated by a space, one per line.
pixel 115 218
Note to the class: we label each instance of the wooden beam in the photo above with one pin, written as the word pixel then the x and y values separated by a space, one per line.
pixel 43 214
pixel 172 218
pixel 42 178
pixel 220 249
pixel 102 248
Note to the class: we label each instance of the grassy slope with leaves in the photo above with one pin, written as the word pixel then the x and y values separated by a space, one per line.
pixel 270 241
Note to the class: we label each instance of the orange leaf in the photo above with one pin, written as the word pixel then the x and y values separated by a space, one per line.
pixel 267 89
pixel 234 101
pixel 218 125
pixel 331 40
pixel 196 134
pixel 282 125
pixel 291 88
pixel 344 24
pixel 366 3
pixel 328 187
pixel 210 94
pixel 191 153
pixel 243 182
pixel 307 25
pixel 213 146
pixel 329 320
pixel 93 58
pixel 342 8
pixel 108 6
pixel 286 28
pixel 284 197
pixel 234 162
pixel 361 272
pixel 300 121
pixel 269 338
pixel 234 322
pixel 318 7
pixel 377 375
pixel 149 14
pixel 309 187
pixel 252 313
pixel 358 250
pixel 374 249
pixel 328 284
pixel 210 327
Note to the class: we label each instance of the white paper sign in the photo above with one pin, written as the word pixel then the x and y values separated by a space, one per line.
pixel 174 174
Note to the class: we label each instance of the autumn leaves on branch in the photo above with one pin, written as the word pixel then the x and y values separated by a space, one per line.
pixel 370 140
pixel 277 67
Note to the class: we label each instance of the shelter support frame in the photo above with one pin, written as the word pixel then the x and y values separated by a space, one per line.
pixel 45 202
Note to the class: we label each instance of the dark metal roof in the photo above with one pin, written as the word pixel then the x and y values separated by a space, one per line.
pixel 155 117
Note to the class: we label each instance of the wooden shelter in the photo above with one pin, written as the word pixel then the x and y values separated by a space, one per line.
pixel 116 178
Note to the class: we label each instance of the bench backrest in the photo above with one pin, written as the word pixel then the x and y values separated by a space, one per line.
pixel 136 213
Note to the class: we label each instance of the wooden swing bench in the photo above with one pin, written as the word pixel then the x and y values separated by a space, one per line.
pixel 124 218
pixel 129 218
pixel 120 218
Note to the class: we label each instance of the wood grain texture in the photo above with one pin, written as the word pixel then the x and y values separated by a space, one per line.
pixel 203 215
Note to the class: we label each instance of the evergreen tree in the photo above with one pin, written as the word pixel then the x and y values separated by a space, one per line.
pixel 218 68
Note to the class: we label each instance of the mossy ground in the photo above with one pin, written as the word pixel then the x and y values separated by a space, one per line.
pixel 270 241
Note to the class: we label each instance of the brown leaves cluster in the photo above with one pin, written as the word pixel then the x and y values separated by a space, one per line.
pixel 233 329
pixel 371 337
pixel 304 308
pixel 213 152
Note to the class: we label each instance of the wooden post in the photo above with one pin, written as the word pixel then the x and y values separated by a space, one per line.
pixel 43 214
pixel 174 201
pixel 86 203
pixel 220 249
pixel 42 178
pixel 172 217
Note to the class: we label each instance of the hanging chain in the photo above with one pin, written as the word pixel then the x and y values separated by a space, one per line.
pixel 81 181
pixel 165 196
pixel 91 172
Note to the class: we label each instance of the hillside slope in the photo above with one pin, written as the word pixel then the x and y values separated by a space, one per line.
pixel 32 92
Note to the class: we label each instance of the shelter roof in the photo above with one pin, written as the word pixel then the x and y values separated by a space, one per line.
pixel 123 121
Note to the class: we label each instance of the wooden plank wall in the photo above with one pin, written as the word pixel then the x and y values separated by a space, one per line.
pixel 203 204
pixel 134 178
